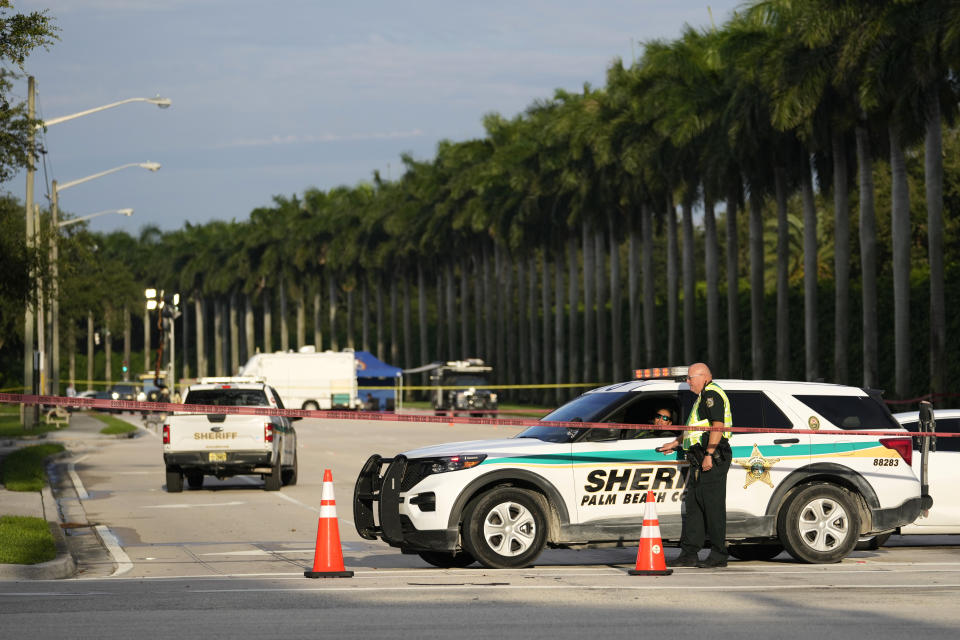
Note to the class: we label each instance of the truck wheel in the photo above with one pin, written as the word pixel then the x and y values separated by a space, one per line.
pixel 447 560
pixel 755 551
pixel 310 405
pixel 194 479
pixel 174 480
pixel 289 476
pixel 820 524
pixel 504 528
pixel 274 481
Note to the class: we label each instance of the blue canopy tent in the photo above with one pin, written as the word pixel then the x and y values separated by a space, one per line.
pixel 380 385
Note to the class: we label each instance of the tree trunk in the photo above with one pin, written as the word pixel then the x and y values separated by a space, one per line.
pixel 933 179
pixel 523 341
pixel 573 298
pixel 733 303
pixel 407 324
pixel 439 324
pixel 301 319
pixel 671 215
pixel 490 304
pixel 689 322
pixel 616 306
pixel 198 304
pixel 841 259
pixel 108 347
pixel 501 363
pixel 185 340
pixel 267 321
pixel 548 359
pixel 235 336
pixel 127 331
pixel 600 276
pixel 451 314
pixel 218 335
pixel 378 297
pixel 394 312
pixel 900 234
pixel 479 305
pixel 510 333
pixel 317 315
pixel 783 283
pixel 465 309
pixel 422 317
pixel 712 271
pixel 756 286
pixel 589 341
pixel 351 344
pixel 147 334
pixel 364 316
pixel 633 297
pixel 646 231
pixel 72 353
pixel 284 328
pixel 332 302
pixel 810 319
pixel 533 327
pixel 558 345
pixel 90 351
pixel 248 328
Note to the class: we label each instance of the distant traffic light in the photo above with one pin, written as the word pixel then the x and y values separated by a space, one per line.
pixel 124 366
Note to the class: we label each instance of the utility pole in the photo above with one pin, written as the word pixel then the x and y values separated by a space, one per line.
pixel 31 415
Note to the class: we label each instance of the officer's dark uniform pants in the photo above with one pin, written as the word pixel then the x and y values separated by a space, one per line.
pixel 705 509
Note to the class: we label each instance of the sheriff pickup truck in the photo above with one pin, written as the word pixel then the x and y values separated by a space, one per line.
pixel 220 445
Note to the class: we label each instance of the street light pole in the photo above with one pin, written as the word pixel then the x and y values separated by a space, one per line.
pixel 54 242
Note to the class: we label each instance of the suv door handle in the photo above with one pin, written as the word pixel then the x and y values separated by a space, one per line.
pixel 787 441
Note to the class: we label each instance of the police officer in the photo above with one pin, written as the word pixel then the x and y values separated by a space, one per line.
pixel 705 501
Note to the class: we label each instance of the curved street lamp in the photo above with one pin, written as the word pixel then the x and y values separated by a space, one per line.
pixel 123 212
pixel 32 321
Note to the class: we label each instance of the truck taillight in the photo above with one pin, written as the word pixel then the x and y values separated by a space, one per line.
pixel 268 432
pixel 903 446
pixel 166 434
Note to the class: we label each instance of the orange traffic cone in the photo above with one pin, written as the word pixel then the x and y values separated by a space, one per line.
pixel 650 560
pixel 328 558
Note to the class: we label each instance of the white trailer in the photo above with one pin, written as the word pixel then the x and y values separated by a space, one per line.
pixel 308 379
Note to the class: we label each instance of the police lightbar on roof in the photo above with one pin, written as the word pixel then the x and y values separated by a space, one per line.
pixel 233 380
pixel 660 373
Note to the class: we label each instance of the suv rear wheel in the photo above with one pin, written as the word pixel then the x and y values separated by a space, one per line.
pixel 819 524
pixel 505 528
pixel 174 480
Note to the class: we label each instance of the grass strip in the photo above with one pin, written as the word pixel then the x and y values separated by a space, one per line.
pixel 25 540
pixel 10 426
pixel 23 469
pixel 114 425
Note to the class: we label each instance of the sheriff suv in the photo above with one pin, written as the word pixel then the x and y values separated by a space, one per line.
pixel 500 502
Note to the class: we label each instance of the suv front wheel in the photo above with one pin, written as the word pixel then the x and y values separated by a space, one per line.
pixel 819 524
pixel 505 528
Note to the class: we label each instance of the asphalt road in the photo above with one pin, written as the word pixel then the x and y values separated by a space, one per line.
pixel 227 560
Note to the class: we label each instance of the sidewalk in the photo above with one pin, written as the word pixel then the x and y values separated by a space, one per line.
pixel 42 504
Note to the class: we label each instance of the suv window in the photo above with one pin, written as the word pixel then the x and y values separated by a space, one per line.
pixel 228 397
pixel 755 410
pixel 851 412
pixel 944 425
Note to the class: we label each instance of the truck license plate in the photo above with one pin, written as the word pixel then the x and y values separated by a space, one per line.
pixel 218 456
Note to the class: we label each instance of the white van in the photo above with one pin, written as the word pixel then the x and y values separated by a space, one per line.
pixel 308 379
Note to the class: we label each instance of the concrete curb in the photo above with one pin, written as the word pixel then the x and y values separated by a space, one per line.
pixel 63 566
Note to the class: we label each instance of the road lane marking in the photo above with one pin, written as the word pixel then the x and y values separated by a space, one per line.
pixel 113 546
pixel 185 505
pixel 75 479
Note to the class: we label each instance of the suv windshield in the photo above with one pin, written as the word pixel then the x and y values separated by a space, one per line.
pixel 590 407
pixel 228 397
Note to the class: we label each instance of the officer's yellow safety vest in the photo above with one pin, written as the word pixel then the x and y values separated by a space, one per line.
pixel 692 437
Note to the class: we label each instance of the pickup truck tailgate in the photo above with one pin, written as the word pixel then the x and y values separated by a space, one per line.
pixel 217 432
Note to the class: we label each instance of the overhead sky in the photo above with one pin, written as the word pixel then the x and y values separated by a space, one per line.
pixel 271 98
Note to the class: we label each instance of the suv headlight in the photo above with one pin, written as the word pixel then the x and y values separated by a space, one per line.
pixel 452 463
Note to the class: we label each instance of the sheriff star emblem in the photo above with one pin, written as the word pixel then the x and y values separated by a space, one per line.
pixel 758 467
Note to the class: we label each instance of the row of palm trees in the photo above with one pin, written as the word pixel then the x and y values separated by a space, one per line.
pixel 513 246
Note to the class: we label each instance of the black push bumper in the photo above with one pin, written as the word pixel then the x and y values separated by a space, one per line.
pixel 380 493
